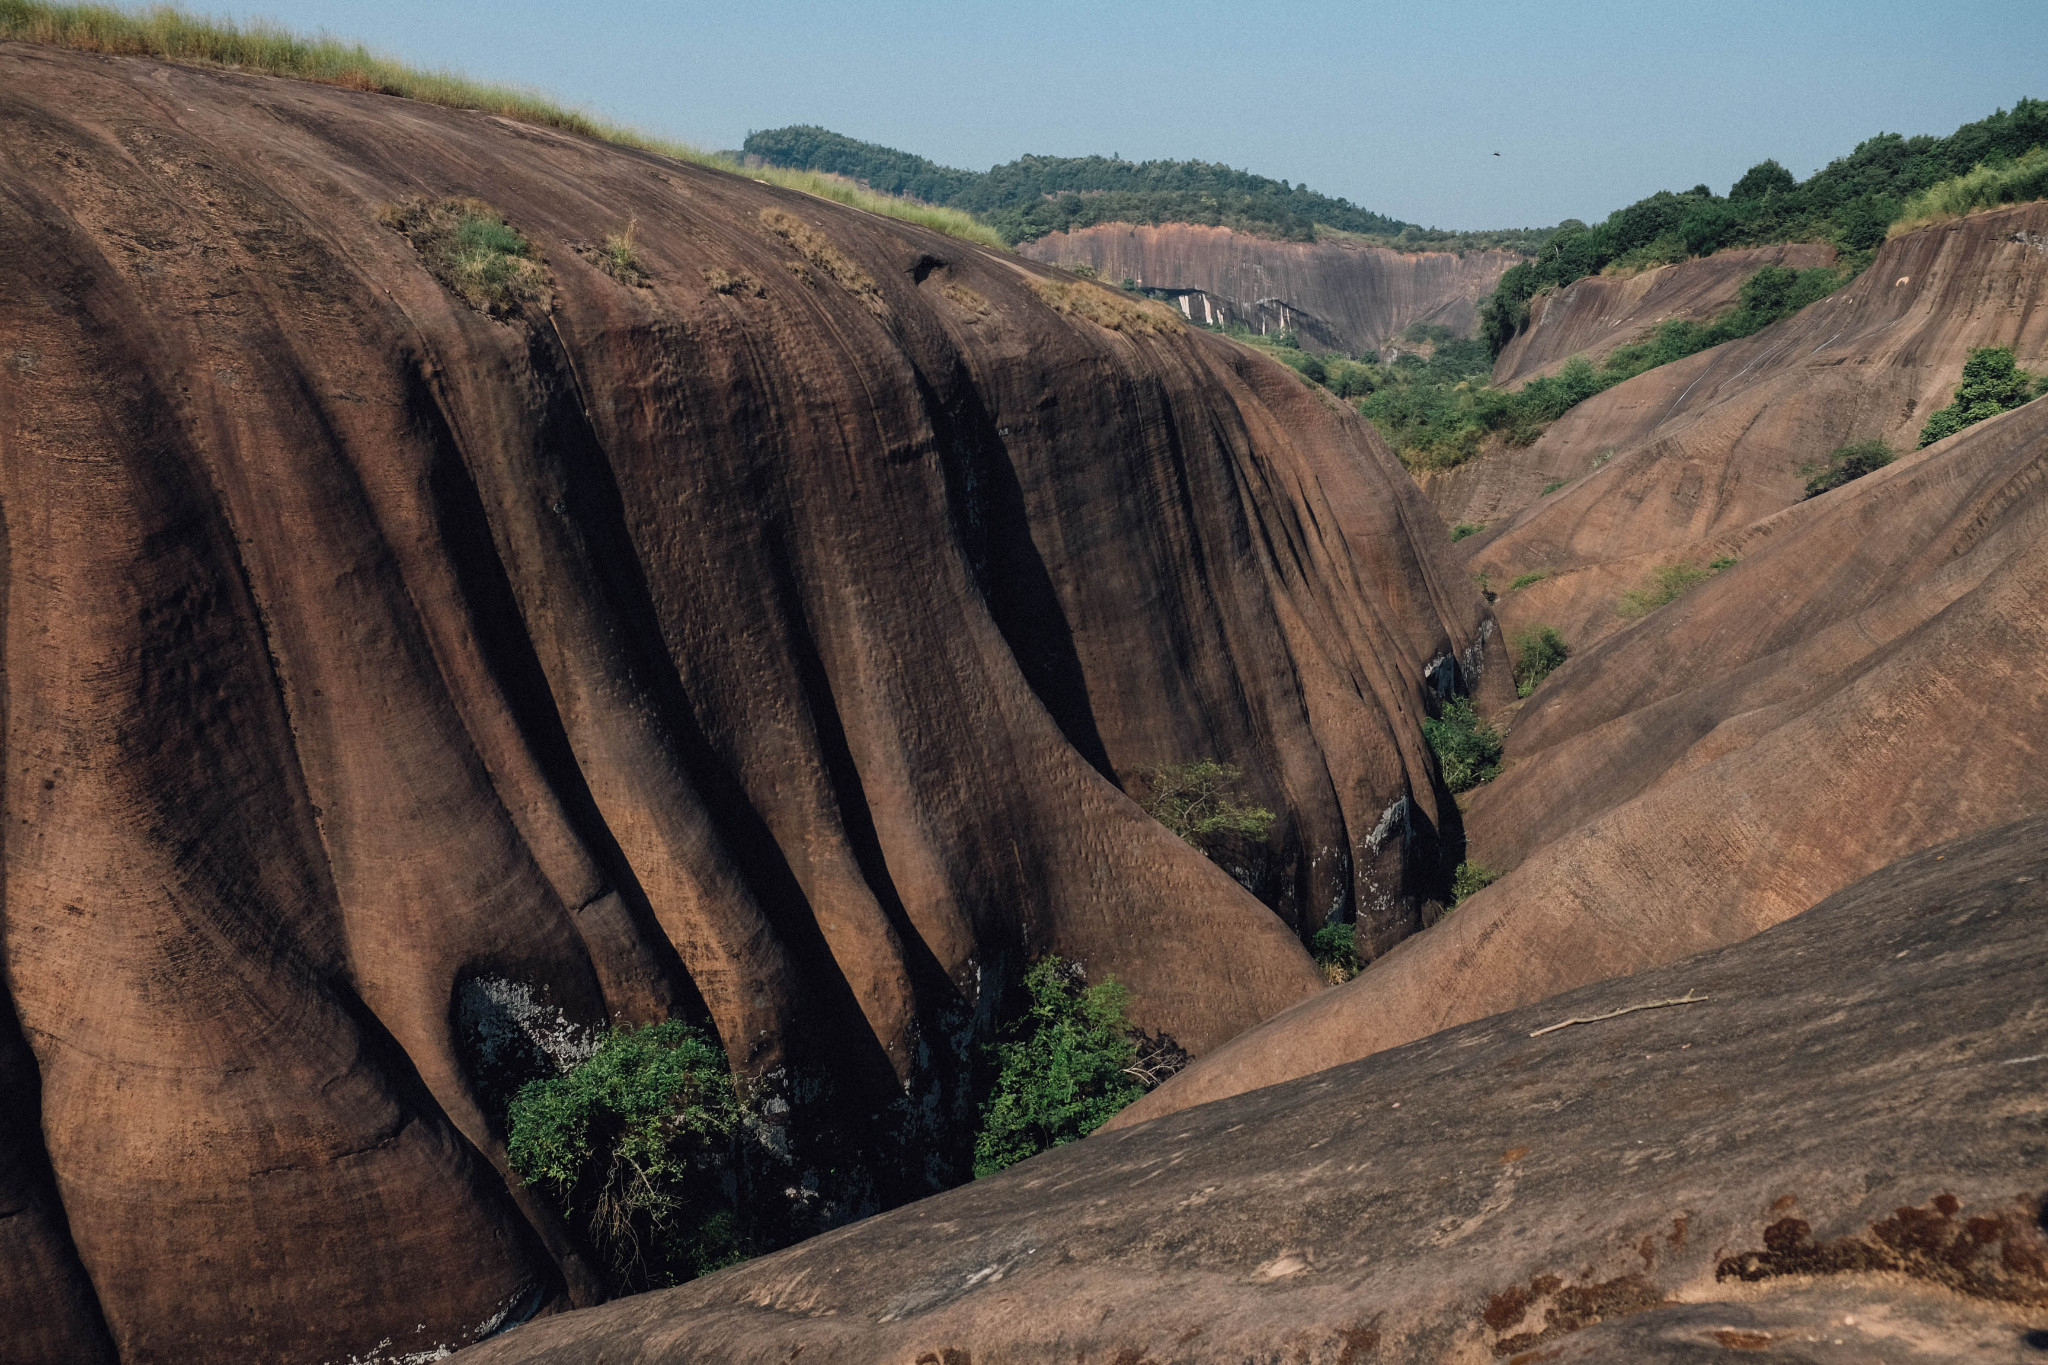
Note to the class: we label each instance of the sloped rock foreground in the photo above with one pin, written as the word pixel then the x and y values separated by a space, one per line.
pixel 763 635
pixel 1839 1154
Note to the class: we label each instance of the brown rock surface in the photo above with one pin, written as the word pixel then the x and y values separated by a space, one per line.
pixel 1682 461
pixel 1591 317
pixel 1837 1156
pixel 1869 679
pixel 765 643
pixel 1339 294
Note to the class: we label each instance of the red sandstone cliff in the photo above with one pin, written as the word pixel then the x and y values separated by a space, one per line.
pixel 768 644
pixel 1870 677
pixel 1339 295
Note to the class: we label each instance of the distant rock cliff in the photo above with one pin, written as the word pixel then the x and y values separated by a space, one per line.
pixel 1338 295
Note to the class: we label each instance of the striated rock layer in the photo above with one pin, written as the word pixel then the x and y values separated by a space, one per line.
pixel 1834 1153
pixel 768 642
pixel 1338 295
pixel 1870 677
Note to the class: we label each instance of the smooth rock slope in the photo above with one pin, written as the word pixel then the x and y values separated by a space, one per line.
pixel 1836 1155
pixel 769 642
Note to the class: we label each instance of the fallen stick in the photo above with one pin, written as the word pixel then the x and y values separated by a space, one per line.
pixel 1687 999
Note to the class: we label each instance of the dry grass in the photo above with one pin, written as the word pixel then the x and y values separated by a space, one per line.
pixel 818 251
pixel 171 34
pixel 969 299
pixel 1106 307
pixel 734 283
pixel 469 247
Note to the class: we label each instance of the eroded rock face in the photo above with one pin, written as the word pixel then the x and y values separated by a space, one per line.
pixel 1868 678
pixel 1834 1153
pixel 393 688
pixel 1336 295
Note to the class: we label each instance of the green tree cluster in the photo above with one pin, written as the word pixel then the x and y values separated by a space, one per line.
pixel 1035 195
pixel 1468 750
pixel 1848 462
pixel 1992 383
pixel 1064 1068
pixel 1851 202
pixel 1335 949
pixel 636 1147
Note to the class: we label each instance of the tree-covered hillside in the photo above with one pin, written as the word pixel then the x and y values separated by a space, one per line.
pixel 1034 195
pixel 1851 202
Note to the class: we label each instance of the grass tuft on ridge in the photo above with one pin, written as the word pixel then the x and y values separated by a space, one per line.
pixel 174 35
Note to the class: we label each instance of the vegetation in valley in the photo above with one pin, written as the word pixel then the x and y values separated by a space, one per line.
pixel 1200 803
pixel 1852 202
pixel 171 34
pixel 1036 195
pixel 637 1147
pixel 1847 463
pixel 1467 749
pixel 1470 879
pixel 1667 584
pixel 1538 652
pixel 1063 1068
pixel 1992 383
pixel 1335 950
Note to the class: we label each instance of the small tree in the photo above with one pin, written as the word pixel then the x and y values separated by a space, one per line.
pixel 635 1147
pixel 1196 801
pixel 1847 463
pixel 1335 949
pixel 1064 1069
pixel 1992 383
pixel 1538 652
pixel 1466 747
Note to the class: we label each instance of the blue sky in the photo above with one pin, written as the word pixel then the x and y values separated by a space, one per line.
pixel 1397 107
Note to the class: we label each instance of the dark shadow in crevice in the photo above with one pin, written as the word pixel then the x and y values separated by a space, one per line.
pixel 993 526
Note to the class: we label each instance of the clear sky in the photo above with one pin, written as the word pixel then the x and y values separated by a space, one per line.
pixel 1398 107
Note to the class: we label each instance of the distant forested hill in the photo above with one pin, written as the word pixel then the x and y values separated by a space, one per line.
pixel 1035 195
pixel 1850 202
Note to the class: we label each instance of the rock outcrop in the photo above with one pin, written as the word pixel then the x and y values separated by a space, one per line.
pixel 767 640
pixel 1868 678
pixel 1832 1153
pixel 1338 295
pixel 1591 317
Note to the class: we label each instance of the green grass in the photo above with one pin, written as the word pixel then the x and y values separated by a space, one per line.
pixel 1553 486
pixel 1469 880
pixel 1665 585
pixel 1985 186
pixel 1466 528
pixel 1521 581
pixel 171 34
pixel 470 248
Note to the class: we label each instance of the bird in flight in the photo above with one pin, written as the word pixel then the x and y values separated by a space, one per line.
pixel 1496 153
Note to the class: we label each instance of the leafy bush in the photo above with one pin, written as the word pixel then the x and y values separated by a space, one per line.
pixel 1667 584
pixel 1063 1071
pixel 1524 580
pixel 1849 462
pixel 1466 528
pixel 1335 949
pixel 1469 880
pixel 1467 749
pixel 1538 652
pixel 1991 384
pixel 1196 801
pixel 635 1147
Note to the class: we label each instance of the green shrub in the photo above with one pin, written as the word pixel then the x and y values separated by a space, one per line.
pixel 1991 384
pixel 1847 463
pixel 1986 185
pixel 635 1146
pixel 1667 584
pixel 1469 880
pixel 1196 801
pixel 1553 486
pixel 468 246
pixel 1467 749
pixel 1063 1070
pixel 1521 581
pixel 1466 528
pixel 1335 949
pixel 1538 652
